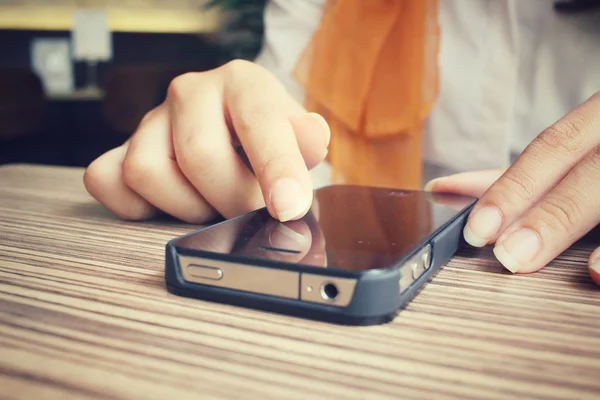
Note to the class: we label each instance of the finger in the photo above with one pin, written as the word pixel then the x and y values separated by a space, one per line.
pixel 260 111
pixel 203 148
pixel 151 171
pixel 466 183
pixel 450 200
pixel 313 135
pixel 103 180
pixel 543 164
pixel 563 216
pixel 594 266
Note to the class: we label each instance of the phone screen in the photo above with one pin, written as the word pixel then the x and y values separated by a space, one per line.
pixel 347 227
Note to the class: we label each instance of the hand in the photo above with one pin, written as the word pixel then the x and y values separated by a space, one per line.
pixel 543 203
pixel 182 160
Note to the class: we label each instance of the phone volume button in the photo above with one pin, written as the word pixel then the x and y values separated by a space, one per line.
pixel 204 272
pixel 414 267
pixel 425 258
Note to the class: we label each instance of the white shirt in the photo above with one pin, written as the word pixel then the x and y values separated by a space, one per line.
pixel 508 69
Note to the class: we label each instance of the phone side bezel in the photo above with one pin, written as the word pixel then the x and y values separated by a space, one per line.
pixel 367 307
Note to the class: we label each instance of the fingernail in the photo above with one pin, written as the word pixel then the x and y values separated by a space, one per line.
pixel 518 249
pixel 287 199
pixel 430 185
pixel 319 118
pixel 482 226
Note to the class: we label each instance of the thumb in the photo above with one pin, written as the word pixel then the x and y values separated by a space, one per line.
pixel 594 266
pixel 465 183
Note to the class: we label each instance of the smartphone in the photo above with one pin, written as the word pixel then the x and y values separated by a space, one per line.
pixel 358 257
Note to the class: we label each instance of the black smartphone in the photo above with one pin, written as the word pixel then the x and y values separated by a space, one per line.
pixel 357 258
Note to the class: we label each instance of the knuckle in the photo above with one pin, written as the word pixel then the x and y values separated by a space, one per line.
pixel 561 212
pixel 588 170
pixel 253 117
pixel 179 87
pixel 94 179
pixel 518 183
pixel 595 159
pixel 148 117
pixel 564 136
pixel 197 151
pixel 275 166
pixel 137 170
pixel 238 66
pixel 98 183
pixel 246 76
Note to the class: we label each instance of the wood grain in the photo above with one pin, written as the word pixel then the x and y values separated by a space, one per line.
pixel 84 314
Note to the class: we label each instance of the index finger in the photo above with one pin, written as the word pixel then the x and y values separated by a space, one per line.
pixel 260 111
pixel 541 166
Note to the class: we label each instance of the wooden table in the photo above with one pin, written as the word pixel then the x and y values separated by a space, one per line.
pixel 84 314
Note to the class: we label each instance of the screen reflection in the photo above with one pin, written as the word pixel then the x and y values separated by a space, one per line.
pixel 350 228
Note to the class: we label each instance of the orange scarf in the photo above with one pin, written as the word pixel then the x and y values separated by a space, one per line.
pixel 371 71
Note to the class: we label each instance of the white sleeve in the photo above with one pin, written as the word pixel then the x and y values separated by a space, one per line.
pixel 289 26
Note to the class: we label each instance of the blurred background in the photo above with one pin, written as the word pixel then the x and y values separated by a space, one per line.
pixel 76 76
